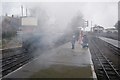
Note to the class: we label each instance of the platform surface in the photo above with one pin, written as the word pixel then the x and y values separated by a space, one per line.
pixel 60 62
pixel 111 41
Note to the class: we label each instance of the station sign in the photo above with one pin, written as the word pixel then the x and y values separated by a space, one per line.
pixel 29 21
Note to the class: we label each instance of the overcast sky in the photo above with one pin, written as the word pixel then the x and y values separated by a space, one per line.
pixel 101 13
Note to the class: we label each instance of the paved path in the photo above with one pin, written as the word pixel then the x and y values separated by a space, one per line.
pixel 111 41
pixel 59 62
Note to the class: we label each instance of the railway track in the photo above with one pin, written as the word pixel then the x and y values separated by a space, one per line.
pixel 113 48
pixel 105 68
pixel 13 62
pixel 111 51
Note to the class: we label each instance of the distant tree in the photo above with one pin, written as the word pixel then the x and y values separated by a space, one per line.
pixel 9 27
pixel 73 27
pixel 116 25
pixel 77 21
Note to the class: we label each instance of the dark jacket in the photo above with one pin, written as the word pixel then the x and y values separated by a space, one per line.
pixel 85 39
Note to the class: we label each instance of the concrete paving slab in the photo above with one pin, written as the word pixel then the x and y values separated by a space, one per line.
pixel 59 62
pixel 111 41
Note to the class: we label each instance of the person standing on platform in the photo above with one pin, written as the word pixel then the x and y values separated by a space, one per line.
pixel 85 41
pixel 81 37
pixel 73 41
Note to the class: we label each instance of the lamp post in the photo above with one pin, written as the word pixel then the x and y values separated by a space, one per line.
pixel 22 10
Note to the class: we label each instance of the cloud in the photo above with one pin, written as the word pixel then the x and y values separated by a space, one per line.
pixel 102 13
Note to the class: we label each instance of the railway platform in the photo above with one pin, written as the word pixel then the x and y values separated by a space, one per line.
pixel 60 62
pixel 115 43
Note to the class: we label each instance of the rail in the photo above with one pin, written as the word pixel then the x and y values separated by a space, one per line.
pixel 109 70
